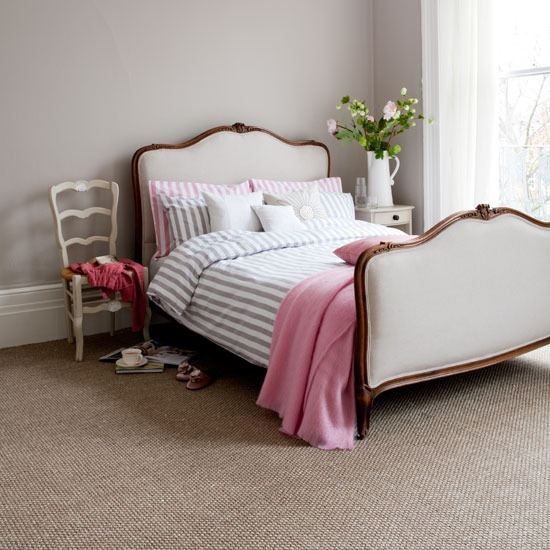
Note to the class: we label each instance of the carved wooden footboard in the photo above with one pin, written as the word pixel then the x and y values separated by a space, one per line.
pixel 470 292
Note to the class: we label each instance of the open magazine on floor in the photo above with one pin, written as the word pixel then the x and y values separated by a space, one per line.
pixel 167 355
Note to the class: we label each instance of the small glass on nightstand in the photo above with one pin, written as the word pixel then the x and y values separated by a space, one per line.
pixel 398 215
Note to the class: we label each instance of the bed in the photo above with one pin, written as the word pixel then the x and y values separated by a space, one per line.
pixel 337 310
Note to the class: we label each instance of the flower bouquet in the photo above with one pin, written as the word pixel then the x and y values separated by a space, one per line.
pixel 376 135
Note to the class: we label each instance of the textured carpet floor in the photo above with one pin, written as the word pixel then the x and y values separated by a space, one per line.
pixel 90 459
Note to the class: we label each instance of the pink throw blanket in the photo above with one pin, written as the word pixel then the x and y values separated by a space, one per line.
pixel 309 381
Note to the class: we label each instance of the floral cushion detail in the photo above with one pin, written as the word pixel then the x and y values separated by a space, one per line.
pixel 306 204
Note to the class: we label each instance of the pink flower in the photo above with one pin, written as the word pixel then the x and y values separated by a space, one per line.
pixel 389 110
pixel 370 118
pixel 332 126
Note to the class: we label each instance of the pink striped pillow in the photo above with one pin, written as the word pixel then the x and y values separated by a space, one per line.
pixel 181 189
pixel 269 186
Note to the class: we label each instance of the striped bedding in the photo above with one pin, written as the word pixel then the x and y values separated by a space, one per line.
pixel 228 285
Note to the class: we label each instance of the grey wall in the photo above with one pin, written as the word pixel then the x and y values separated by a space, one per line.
pixel 397 54
pixel 87 82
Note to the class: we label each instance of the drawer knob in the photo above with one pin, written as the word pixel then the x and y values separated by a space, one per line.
pixel 396 217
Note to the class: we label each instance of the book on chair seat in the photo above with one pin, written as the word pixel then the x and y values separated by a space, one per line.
pixel 108 259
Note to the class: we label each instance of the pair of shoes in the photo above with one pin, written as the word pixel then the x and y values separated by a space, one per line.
pixel 184 372
pixel 199 380
pixel 195 378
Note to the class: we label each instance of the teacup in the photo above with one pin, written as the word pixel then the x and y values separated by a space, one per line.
pixel 132 356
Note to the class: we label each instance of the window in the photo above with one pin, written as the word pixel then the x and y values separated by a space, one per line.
pixel 523 57
pixel 486 67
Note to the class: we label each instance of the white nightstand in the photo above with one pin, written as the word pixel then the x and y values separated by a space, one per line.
pixel 398 215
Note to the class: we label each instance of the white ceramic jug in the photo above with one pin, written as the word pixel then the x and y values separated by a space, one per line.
pixel 379 178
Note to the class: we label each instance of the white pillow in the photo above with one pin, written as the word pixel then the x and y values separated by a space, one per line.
pixel 338 205
pixel 278 218
pixel 233 211
pixel 306 203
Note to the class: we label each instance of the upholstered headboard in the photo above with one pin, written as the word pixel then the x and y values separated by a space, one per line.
pixel 221 155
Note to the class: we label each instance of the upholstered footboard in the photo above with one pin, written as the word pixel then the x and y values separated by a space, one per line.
pixel 470 292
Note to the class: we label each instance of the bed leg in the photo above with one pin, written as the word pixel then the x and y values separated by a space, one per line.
pixel 364 407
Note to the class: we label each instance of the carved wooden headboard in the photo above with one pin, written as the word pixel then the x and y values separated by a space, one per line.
pixel 221 155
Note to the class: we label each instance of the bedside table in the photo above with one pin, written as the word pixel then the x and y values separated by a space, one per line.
pixel 398 215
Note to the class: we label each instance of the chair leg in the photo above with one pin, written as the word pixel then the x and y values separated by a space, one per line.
pixel 68 309
pixel 146 323
pixel 148 314
pixel 77 316
pixel 112 329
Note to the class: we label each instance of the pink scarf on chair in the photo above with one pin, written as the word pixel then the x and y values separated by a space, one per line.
pixel 117 277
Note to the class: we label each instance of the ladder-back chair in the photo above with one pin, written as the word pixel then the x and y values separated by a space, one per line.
pixel 80 297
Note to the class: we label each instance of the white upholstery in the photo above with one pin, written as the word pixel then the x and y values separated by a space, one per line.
pixel 224 158
pixel 476 290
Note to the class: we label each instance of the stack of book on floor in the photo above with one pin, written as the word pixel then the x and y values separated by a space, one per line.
pixel 145 366
pixel 155 358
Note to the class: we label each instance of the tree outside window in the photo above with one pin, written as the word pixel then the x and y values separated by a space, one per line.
pixel 524 107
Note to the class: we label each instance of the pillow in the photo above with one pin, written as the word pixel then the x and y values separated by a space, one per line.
pixel 338 205
pixel 350 252
pixel 278 218
pixel 187 218
pixel 269 186
pixel 306 204
pixel 181 189
pixel 233 212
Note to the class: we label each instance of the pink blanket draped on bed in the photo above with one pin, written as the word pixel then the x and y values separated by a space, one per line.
pixel 309 382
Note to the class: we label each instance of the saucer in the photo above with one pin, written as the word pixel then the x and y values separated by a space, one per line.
pixel 122 363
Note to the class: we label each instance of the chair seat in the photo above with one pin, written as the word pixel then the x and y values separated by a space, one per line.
pixel 67 274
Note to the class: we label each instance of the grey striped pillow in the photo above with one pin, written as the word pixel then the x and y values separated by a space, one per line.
pixel 338 205
pixel 187 217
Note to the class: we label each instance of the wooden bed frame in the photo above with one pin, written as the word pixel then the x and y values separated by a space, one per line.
pixel 470 292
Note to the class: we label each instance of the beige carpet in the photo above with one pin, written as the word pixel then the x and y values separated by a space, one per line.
pixel 90 459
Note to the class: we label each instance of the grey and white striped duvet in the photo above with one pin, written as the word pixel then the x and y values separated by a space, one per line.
pixel 228 285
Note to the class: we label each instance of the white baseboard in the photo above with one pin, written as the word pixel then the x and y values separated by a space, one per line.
pixel 36 314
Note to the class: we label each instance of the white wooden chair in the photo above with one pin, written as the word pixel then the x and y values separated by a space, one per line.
pixel 80 297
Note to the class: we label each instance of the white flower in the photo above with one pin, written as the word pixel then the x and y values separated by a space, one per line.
pixel 389 110
pixel 403 91
pixel 332 126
